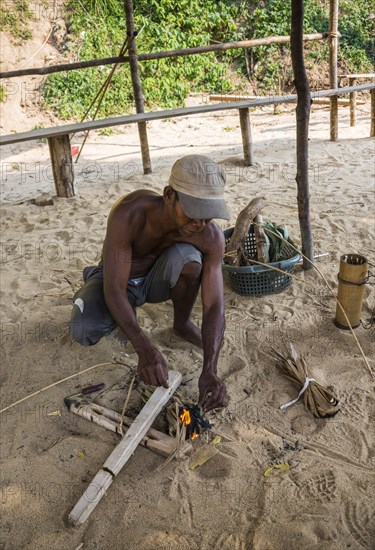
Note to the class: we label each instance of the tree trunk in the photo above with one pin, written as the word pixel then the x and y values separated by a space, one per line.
pixel 302 118
pixel 137 88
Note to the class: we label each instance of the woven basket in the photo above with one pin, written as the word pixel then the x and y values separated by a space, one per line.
pixel 257 280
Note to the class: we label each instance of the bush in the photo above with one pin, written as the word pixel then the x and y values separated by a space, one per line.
pixel 96 28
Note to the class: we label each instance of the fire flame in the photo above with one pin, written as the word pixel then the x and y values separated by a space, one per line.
pixel 185 417
pixel 194 435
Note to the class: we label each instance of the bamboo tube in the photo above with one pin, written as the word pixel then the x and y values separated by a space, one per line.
pixel 352 277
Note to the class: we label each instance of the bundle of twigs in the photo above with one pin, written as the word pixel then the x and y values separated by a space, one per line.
pixel 320 401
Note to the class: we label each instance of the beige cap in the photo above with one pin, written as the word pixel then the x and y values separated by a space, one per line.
pixel 200 184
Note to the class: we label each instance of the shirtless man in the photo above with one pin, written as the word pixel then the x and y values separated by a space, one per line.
pixel 161 247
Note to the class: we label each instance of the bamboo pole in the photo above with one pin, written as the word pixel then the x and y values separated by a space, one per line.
pixel 302 118
pixel 247 141
pixel 137 88
pixel 352 101
pixel 333 48
pixel 161 55
pixel 168 113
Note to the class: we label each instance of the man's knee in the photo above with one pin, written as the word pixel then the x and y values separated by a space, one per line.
pixel 192 270
pixel 87 332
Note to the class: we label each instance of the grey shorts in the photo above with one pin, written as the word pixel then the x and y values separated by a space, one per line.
pixel 91 318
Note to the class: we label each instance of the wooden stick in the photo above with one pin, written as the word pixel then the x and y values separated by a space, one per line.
pixel 333 51
pixel 161 55
pixel 100 95
pixel 372 129
pixel 260 238
pixel 137 87
pixel 302 132
pixel 241 228
pixel 318 101
pixel 352 101
pixel 154 440
pixel 121 454
pixel 247 142
pixel 126 404
pixel 62 165
pixel 60 382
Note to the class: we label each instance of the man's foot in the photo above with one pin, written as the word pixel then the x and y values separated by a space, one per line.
pixel 190 332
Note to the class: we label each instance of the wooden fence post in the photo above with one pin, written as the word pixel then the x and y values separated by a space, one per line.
pixel 62 165
pixel 302 133
pixel 137 88
pixel 247 142
pixel 333 81
pixel 352 103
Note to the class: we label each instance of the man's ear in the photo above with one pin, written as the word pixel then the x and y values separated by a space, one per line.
pixel 168 194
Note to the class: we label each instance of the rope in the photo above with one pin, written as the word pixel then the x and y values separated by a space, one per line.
pixel 59 382
pixel 333 294
pixel 304 388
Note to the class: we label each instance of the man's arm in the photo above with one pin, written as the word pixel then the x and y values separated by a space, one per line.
pixel 117 258
pixel 213 322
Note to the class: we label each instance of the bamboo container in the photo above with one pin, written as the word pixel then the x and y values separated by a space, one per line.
pixel 352 278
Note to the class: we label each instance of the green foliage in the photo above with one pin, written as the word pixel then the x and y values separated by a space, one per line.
pixel 15 18
pixel 272 18
pixel 97 29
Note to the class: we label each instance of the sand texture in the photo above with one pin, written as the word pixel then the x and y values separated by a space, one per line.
pixel 326 500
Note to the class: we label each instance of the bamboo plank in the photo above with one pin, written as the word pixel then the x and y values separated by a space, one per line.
pixel 121 454
pixel 169 113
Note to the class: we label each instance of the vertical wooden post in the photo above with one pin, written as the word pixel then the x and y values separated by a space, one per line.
pixel 62 165
pixel 372 130
pixel 247 142
pixel 137 88
pixel 302 118
pixel 333 48
pixel 352 103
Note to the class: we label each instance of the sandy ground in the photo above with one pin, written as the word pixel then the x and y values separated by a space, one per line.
pixel 326 499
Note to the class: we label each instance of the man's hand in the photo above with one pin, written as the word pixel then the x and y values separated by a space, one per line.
pixel 211 383
pixel 152 368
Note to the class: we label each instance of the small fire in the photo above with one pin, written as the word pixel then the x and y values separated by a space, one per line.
pixel 194 435
pixel 185 417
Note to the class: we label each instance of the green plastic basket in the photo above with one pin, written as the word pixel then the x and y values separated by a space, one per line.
pixel 257 280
